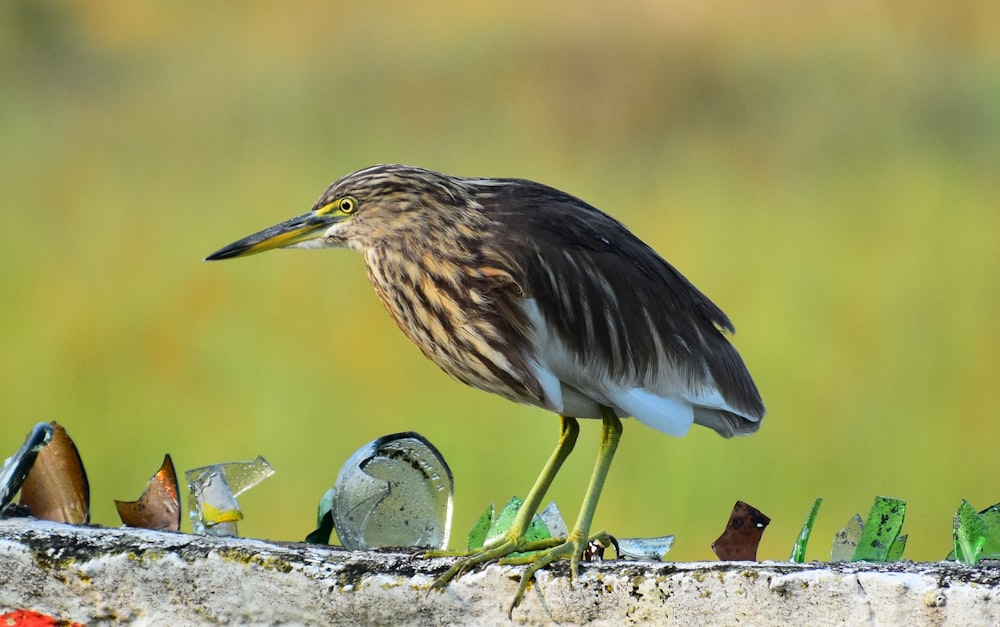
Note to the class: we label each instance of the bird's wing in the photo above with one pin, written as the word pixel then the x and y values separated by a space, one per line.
pixel 630 321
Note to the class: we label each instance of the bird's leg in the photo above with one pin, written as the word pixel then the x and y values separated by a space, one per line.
pixel 576 542
pixel 514 540
pixel 569 429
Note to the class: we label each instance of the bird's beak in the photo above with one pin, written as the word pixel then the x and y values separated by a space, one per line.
pixel 288 233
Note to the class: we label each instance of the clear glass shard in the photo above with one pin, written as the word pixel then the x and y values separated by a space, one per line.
pixel 845 541
pixel 645 549
pixel 244 475
pixel 394 491
pixel 212 492
pixel 554 521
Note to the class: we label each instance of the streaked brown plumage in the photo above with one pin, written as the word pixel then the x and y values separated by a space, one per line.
pixel 522 290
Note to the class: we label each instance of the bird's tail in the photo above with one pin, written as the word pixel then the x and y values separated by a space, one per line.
pixel 725 423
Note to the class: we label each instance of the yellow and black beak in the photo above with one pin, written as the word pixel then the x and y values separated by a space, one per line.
pixel 290 232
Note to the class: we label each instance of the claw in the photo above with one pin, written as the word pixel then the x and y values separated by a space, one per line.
pixel 572 547
pixel 537 554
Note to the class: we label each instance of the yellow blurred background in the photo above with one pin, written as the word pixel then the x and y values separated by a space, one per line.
pixel 827 172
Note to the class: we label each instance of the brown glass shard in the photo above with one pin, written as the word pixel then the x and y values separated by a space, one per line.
pixel 159 507
pixel 742 535
pixel 56 488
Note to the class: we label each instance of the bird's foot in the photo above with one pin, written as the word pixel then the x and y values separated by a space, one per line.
pixel 505 548
pixel 517 550
pixel 572 547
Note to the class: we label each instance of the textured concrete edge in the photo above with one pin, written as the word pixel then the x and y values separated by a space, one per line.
pixel 94 574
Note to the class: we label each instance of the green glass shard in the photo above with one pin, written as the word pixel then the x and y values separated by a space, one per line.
pixel 970 532
pixel 846 540
pixel 325 506
pixel 477 535
pixel 503 520
pixel 324 520
pixel 799 550
pixel 537 530
pixel 896 550
pixel 991 548
pixel 880 530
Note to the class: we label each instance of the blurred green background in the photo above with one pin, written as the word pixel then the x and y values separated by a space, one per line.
pixel 827 172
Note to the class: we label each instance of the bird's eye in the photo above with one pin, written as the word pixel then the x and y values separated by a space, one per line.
pixel 347 204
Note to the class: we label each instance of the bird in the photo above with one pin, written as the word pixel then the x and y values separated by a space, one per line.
pixel 520 289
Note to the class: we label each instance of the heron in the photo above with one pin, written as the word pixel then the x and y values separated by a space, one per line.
pixel 528 292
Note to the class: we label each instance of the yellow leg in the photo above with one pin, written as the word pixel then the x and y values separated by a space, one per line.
pixel 576 542
pixel 544 552
pixel 514 541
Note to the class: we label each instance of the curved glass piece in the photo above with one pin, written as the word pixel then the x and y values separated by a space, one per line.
pixel 394 491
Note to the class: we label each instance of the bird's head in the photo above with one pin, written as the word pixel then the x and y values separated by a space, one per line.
pixel 377 204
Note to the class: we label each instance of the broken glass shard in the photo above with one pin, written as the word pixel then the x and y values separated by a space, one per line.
pixel 159 506
pixel 394 491
pixel 56 488
pixel 324 520
pixel 537 530
pixel 549 523
pixel 885 520
pixel 213 490
pixel 554 521
pixel 966 528
pixel 970 532
pixel 502 521
pixel 740 539
pixel 477 535
pixel 646 549
pixel 15 468
pixel 991 548
pixel 896 550
pixel 799 550
pixel 845 541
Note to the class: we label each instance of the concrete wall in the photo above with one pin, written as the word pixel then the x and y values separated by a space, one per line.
pixel 92 575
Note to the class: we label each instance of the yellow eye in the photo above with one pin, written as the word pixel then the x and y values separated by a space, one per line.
pixel 347 205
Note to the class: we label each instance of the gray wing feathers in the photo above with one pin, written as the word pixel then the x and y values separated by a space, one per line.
pixel 615 301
